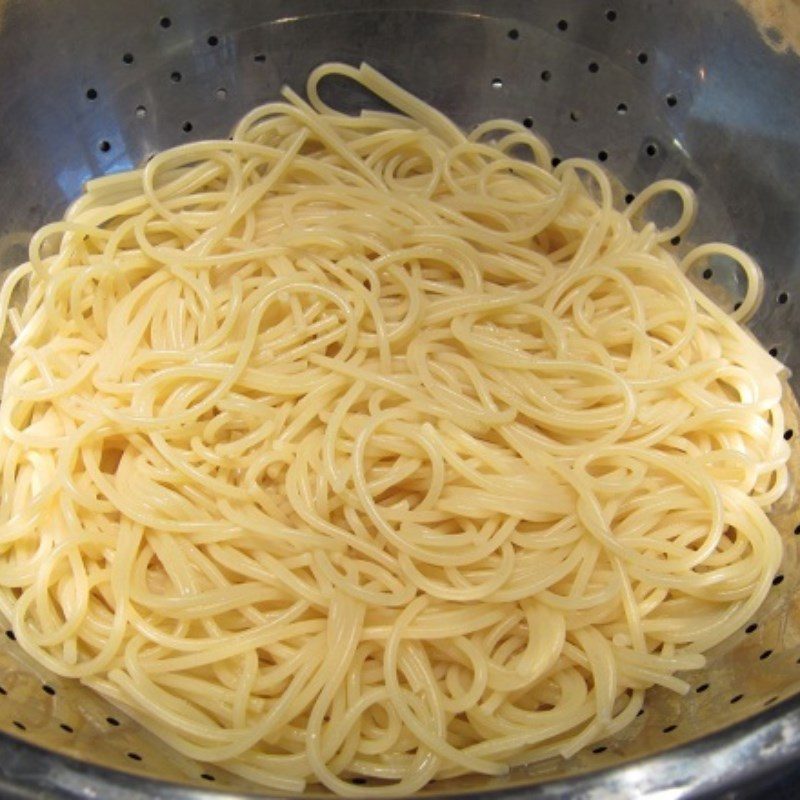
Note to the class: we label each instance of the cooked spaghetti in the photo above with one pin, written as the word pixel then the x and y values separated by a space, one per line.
pixel 358 447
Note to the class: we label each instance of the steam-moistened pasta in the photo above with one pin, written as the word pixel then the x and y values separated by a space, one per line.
pixel 360 447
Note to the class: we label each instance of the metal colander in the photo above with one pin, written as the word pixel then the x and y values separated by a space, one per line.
pixel 660 88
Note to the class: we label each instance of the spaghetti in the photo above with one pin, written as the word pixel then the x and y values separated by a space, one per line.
pixel 357 447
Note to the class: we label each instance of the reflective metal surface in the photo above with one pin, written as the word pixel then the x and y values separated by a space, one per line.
pixel 661 88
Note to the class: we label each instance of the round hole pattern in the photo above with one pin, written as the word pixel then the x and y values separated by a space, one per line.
pixel 513 34
pixel 497 83
pixel 642 58
pixel 48 689
pixel 187 127
pixel 562 24
pixel 602 155
pixel 546 75
pixel 104 146
pixel 175 76
pixel 783 298
pixel 675 241
pixel 708 274
pixel 574 116
pixel 165 22
pixel 221 93
pixel 672 100
pixel 787 434
pixel 91 94
pixel 622 108
pixel 611 15
pixel 630 197
pixel 594 67
pixel 127 58
pixel 213 41
pixel 651 150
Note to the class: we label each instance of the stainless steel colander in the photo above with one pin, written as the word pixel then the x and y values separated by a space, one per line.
pixel 653 88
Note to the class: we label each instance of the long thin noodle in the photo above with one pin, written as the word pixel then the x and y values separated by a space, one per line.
pixel 358 448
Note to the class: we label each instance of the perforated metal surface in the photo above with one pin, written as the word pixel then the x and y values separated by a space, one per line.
pixel 679 89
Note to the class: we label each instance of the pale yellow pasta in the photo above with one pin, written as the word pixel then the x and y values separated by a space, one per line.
pixel 357 447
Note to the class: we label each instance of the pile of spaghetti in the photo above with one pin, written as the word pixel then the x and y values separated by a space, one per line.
pixel 357 447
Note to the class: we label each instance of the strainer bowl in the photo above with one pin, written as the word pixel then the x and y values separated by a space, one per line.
pixel 694 91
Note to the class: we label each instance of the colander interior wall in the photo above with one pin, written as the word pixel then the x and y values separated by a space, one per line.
pixel 653 89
